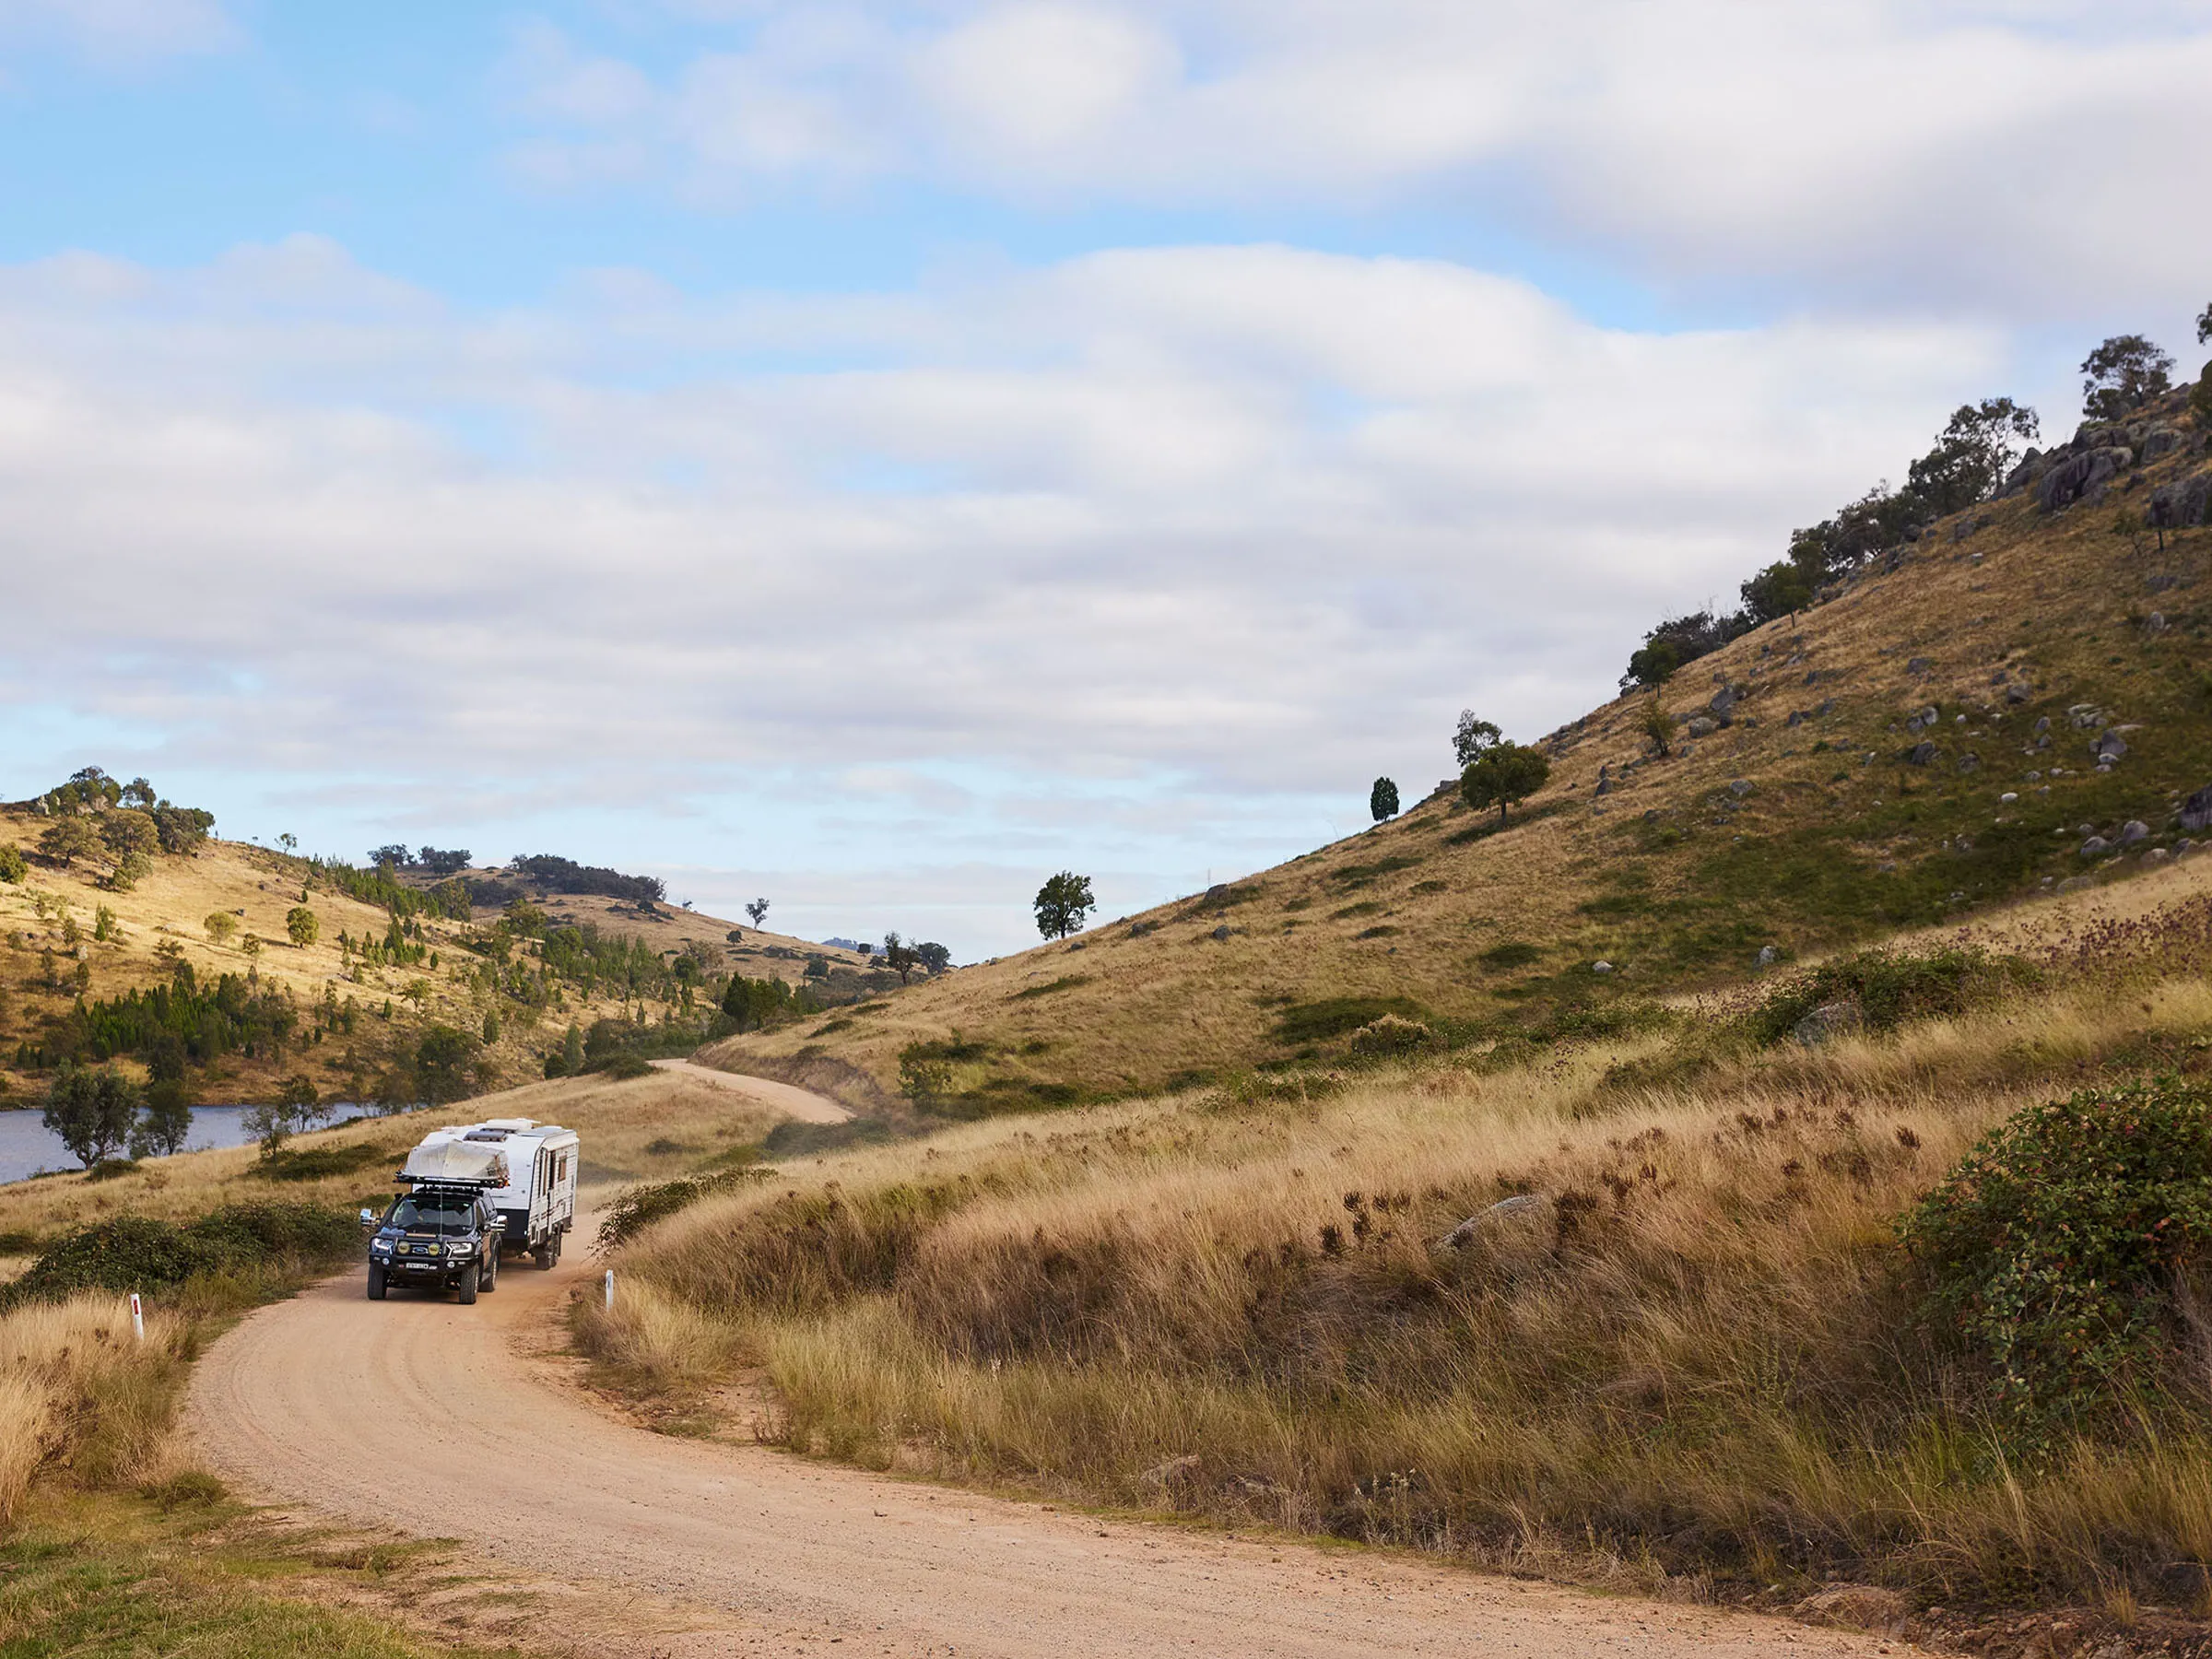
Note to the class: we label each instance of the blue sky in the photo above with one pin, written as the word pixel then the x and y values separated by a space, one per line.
pixel 876 456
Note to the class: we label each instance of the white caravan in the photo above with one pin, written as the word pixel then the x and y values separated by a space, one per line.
pixel 538 1201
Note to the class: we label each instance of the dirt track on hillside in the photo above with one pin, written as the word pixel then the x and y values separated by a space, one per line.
pixel 792 1101
pixel 446 1421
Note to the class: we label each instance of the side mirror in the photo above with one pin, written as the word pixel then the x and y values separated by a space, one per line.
pixel 367 1217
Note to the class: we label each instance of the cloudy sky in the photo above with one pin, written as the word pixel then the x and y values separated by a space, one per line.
pixel 876 455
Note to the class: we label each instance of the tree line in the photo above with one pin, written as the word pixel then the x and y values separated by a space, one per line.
pixel 1969 460
pixel 99 821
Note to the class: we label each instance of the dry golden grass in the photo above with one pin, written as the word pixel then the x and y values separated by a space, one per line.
pixel 76 1386
pixel 1701 1356
pixel 26 1407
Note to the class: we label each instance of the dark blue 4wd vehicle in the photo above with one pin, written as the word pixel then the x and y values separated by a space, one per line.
pixel 436 1238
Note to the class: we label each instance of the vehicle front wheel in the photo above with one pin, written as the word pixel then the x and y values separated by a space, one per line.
pixel 468 1285
pixel 488 1276
pixel 376 1281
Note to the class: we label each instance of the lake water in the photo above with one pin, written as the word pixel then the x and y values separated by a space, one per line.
pixel 27 1147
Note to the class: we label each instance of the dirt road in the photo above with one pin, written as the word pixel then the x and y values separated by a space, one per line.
pixel 801 1103
pixel 436 1418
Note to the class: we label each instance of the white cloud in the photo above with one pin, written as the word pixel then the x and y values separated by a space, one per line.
pixel 1239 517
pixel 117 33
pixel 2035 157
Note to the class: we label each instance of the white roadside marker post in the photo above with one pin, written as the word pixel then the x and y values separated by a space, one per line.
pixel 610 1305
pixel 137 1318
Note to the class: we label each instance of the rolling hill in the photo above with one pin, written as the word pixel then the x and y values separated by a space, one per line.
pixel 349 1005
pixel 1945 731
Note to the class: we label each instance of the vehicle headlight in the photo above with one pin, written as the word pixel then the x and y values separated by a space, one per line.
pixel 381 1247
pixel 459 1249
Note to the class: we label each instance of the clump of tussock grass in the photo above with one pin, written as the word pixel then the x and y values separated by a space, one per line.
pixel 76 1387
pixel 654 1343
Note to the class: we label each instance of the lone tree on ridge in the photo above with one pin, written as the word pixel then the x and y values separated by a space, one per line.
pixel 1062 904
pixel 758 911
pixel 1501 775
pixel 1382 800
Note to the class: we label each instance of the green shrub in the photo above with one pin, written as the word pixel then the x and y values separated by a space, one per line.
pixel 1892 988
pixel 640 1207
pixel 1510 954
pixel 137 1253
pixel 1336 1015
pixel 924 1077
pixel 14 866
pixel 2055 1246
pixel 1390 1036
pixel 315 1163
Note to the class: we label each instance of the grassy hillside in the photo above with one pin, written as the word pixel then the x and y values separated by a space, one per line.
pixel 354 1012
pixel 1823 813
pixel 1694 1347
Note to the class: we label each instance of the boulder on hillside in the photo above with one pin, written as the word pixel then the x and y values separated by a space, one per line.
pixel 2109 746
pixel 1828 1020
pixel 2181 505
pixel 2160 441
pixel 2096 847
pixel 2197 811
pixel 2134 830
pixel 2082 478
pixel 1920 753
pixel 2031 468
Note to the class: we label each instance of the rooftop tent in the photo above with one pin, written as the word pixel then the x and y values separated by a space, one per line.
pixel 456 1160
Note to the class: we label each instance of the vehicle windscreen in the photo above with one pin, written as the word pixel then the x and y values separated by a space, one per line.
pixel 432 1212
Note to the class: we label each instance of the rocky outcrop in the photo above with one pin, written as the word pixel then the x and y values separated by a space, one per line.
pixel 2082 478
pixel 2181 505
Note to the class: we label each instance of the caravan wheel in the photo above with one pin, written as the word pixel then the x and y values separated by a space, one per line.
pixel 545 1255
